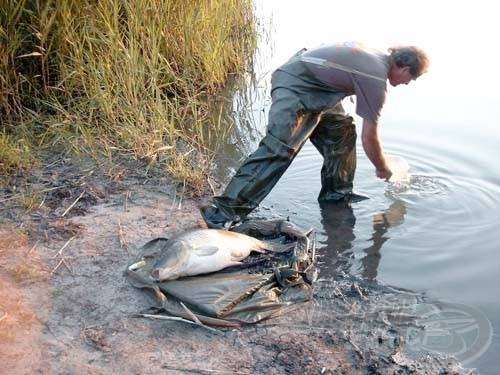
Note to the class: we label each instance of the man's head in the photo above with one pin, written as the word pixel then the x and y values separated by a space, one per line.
pixel 407 64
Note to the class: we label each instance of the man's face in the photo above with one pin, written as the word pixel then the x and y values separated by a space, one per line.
pixel 400 75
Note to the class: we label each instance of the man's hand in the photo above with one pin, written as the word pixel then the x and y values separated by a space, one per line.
pixel 384 174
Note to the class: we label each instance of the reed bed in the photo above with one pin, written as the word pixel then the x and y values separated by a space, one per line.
pixel 127 77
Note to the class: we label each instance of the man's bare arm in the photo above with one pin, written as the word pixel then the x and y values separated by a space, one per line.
pixel 373 149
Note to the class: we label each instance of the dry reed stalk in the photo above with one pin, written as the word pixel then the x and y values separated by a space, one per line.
pixel 177 319
pixel 73 204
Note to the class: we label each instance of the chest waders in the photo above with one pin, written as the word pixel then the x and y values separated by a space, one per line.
pixel 302 108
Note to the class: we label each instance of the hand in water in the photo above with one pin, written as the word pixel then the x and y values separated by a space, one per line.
pixel 399 168
pixel 384 174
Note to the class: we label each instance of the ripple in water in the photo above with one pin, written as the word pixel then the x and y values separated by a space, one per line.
pixel 450 203
pixel 418 186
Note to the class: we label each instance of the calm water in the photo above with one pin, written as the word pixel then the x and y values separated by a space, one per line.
pixel 439 234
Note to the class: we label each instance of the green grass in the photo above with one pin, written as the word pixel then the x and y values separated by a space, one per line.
pixel 15 154
pixel 131 77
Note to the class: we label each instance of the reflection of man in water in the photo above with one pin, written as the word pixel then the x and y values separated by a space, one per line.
pixel 306 104
pixel 338 222
pixel 391 217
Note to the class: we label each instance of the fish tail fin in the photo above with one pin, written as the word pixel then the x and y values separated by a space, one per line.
pixel 278 247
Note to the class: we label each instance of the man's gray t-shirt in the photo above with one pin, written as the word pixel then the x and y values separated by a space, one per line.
pixel 355 71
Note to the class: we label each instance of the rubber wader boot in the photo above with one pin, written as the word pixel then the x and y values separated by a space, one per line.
pixel 215 219
pixel 335 139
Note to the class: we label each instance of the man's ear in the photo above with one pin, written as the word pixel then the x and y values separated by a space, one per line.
pixel 406 69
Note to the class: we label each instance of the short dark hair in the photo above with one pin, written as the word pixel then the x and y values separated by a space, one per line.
pixel 411 56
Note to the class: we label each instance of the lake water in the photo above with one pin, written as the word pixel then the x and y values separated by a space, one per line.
pixel 437 235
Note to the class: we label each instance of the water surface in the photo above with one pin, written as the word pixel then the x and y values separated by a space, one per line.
pixel 438 234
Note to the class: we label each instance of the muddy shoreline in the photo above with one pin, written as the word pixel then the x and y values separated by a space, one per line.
pixel 67 309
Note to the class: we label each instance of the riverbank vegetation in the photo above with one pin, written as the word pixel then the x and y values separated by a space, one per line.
pixel 119 77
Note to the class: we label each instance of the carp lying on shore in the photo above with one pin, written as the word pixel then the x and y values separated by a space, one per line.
pixel 202 251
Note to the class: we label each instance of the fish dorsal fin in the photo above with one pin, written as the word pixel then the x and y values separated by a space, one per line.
pixel 204 251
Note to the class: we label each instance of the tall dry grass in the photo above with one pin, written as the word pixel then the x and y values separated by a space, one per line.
pixel 135 77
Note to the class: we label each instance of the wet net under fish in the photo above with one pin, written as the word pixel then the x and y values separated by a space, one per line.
pixel 264 286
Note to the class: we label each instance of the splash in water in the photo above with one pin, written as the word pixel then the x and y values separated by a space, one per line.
pixel 400 169
pixel 417 186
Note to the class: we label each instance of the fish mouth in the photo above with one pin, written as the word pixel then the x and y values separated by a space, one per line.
pixel 137 265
